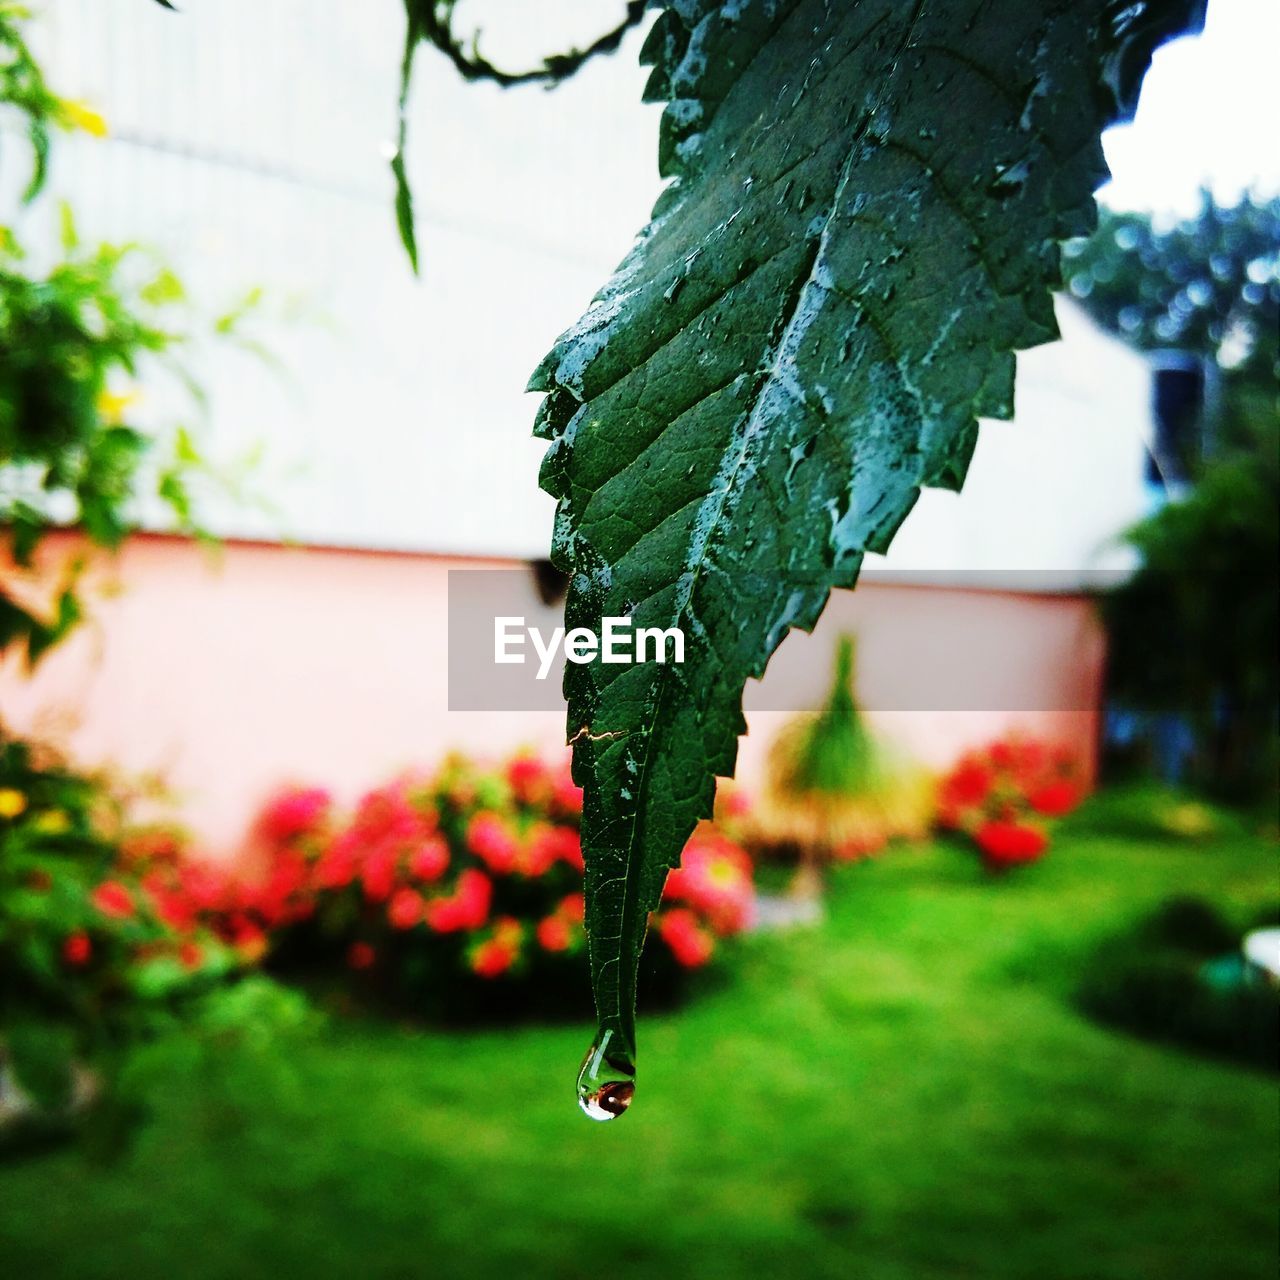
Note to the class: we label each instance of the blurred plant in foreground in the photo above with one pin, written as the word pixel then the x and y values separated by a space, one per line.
pixel 91 967
pixel 79 337
pixel 834 792
pixel 1004 796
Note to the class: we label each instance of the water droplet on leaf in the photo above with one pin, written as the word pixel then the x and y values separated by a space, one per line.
pixel 607 1079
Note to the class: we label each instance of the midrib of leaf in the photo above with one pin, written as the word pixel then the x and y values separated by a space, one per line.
pixel 798 319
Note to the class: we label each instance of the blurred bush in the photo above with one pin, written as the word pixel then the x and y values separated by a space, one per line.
pixel 1194 633
pixel 1004 796
pixel 455 895
pixel 91 968
pixel 1178 976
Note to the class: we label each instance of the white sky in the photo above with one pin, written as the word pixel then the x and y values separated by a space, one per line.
pixel 1208 115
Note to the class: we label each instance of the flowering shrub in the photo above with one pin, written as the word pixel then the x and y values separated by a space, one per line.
pixel 454 894
pixel 91 961
pixel 1003 796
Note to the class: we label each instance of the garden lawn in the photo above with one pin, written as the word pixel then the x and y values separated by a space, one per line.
pixel 900 1094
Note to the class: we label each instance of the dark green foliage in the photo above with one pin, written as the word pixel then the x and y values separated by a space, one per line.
pixel 860 229
pixel 1195 630
pixel 1208 285
pixel 1178 977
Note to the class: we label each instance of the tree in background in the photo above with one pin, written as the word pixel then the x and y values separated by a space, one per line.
pixel 1194 631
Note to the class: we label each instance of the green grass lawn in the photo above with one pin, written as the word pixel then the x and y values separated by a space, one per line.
pixel 903 1093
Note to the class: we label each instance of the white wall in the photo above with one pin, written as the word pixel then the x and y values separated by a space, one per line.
pixel 247 142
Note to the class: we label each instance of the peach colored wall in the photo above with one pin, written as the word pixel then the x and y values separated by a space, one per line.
pixel 230 672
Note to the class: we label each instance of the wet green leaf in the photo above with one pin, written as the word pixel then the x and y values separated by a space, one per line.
pixel 862 226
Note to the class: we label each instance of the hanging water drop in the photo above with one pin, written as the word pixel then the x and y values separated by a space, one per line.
pixel 607 1078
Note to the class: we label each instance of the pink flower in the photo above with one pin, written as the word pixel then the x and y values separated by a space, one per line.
pixel 529 780
pixel 489 838
pixel 690 944
pixel 466 908
pixel 430 860
pixel 714 879
pixel 378 875
pixel 339 863
pixel 566 796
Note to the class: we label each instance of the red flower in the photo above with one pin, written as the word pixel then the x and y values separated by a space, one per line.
pixel 249 941
pixel 430 860
pixel 378 876
pixel 489 838
pixel 77 949
pixel 170 906
pixel 360 955
pixel 566 797
pixel 339 863
pixel 553 934
pixel 690 944
pixel 467 907
pixel 1009 843
pixel 714 878
pixel 295 813
pixel 497 954
pixel 1055 798
pixel 190 955
pixel 573 907
pixel 113 900
pixel 528 778
pixel 405 909
pixel 966 787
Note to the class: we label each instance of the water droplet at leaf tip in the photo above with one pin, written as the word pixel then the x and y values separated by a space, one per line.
pixel 606 1080
pixel 607 1102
